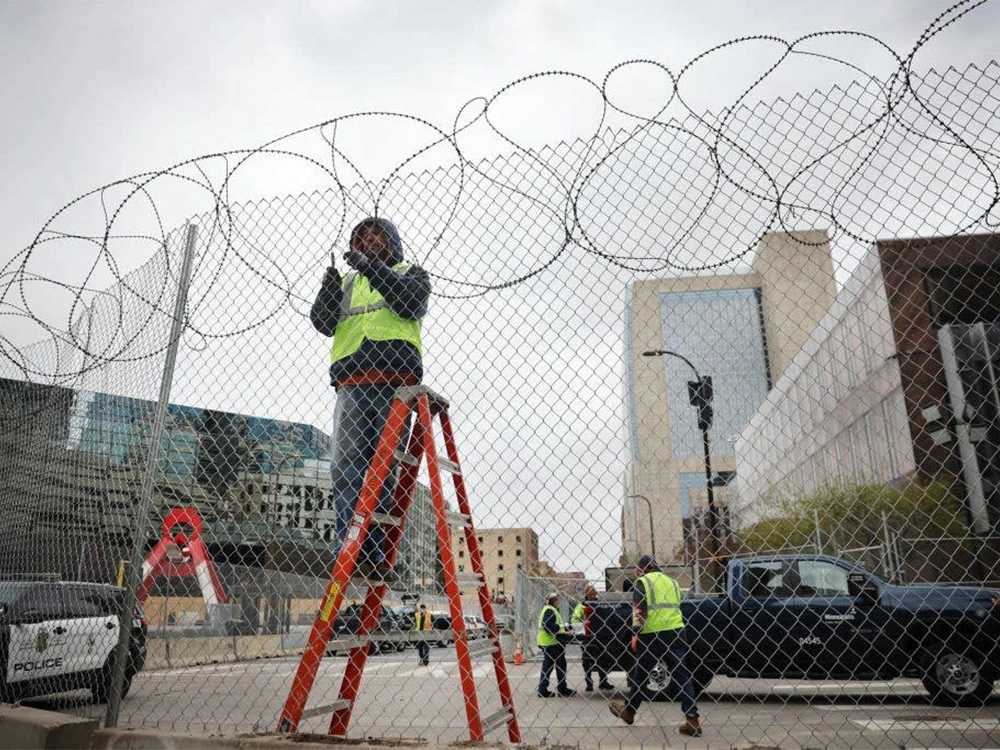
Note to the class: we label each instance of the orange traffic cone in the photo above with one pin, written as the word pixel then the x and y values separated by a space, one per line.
pixel 518 654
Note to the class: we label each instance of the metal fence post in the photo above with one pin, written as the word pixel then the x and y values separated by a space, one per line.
pixel 134 572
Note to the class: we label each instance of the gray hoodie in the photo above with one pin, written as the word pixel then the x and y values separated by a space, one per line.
pixel 406 294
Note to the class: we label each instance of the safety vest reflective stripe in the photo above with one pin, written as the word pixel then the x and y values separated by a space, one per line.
pixel 365 315
pixel 663 603
pixel 346 310
pixel 545 638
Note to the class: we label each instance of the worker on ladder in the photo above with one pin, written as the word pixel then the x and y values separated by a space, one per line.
pixel 374 314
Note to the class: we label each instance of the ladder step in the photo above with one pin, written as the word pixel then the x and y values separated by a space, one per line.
pixel 400 455
pixel 468 580
pixel 460 520
pixel 448 465
pixel 482 647
pixel 337 705
pixel 496 720
pixel 384 519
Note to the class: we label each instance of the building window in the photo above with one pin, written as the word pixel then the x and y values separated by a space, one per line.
pixel 517 539
pixel 499 540
pixel 480 539
pixel 461 568
pixel 500 566
pixel 499 553
pixel 500 581
pixel 461 540
pixel 461 553
pixel 517 553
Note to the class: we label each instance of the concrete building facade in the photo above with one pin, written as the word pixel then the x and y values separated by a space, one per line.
pixel 742 330
pixel 505 551
pixel 899 379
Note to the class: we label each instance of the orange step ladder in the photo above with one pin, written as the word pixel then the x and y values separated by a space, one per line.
pixel 427 405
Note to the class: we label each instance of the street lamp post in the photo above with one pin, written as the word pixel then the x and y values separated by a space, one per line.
pixel 700 396
pixel 652 534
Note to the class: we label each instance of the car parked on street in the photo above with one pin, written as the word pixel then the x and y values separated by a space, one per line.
pixel 60 636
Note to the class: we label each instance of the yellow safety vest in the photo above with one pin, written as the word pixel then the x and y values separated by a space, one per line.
pixel 577 615
pixel 426 624
pixel 663 603
pixel 545 638
pixel 364 314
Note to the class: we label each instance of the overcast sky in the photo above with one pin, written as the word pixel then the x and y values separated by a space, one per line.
pixel 95 92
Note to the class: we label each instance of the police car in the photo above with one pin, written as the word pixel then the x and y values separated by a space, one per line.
pixel 58 636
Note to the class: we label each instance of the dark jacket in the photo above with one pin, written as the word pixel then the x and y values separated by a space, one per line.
pixel 406 294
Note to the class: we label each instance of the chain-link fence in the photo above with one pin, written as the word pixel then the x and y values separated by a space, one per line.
pixel 758 345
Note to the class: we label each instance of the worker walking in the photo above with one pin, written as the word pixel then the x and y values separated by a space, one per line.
pixel 550 627
pixel 589 663
pixel 659 636
pixel 423 624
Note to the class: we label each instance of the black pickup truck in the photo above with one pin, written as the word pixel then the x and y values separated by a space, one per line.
pixel 816 617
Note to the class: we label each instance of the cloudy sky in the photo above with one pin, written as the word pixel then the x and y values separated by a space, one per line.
pixel 98 91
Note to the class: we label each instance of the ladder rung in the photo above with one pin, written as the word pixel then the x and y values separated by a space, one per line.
pixel 400 455
pixel 384 519
pixel 448 465
pixel 482 647
pixel 461 520
pixel 467 580
pixel 337 705
pixel 496 720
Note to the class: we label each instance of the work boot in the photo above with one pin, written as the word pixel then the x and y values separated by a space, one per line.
pixel 690 726
pixel 590 687
pixel 545 694
pixel 622 711
pixel 566 692
pixel 605 685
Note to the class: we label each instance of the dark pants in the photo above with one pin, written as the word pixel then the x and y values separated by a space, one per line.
pixel 358 421
pixel 553 657
pixel 423 651
pixel 670 647
pixel 589 665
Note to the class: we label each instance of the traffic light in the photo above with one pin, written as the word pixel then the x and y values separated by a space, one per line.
pixel 700 396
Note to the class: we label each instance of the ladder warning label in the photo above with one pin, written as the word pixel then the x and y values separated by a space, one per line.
pixel 330 602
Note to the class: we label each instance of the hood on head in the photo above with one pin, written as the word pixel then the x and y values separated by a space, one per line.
pixel 395 243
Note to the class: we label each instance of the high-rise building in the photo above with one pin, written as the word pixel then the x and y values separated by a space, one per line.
pixel 741 330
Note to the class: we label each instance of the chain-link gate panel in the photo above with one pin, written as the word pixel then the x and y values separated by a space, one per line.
pixel 724 388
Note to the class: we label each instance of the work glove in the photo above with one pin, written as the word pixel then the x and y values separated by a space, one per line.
pixel 358 261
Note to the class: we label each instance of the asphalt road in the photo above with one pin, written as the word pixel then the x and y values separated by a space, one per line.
pixel 401 699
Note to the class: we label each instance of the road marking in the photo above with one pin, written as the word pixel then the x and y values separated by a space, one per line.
pixel 916 723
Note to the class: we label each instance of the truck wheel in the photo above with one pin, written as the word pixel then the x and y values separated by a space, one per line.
pixel 954 677
pixel 660 687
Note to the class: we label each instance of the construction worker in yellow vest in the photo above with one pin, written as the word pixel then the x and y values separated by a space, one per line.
pixel 659 637
pixel 550 628
pixel 374 314
pixel 589 660
pixel 423 624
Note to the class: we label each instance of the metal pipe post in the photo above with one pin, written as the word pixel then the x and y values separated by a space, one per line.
pixel 133 576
